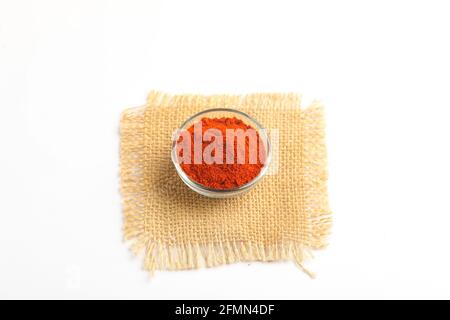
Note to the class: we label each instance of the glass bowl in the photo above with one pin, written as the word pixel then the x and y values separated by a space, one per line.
pixel 218 113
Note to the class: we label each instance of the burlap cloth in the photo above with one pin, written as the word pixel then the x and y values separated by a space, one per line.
pixel 282 218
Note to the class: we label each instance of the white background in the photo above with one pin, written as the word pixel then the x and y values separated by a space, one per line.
pixel 68 69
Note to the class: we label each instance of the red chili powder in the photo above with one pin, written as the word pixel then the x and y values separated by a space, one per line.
pixel 225 175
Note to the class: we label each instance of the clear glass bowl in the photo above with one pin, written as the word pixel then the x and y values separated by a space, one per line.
pixel 218 113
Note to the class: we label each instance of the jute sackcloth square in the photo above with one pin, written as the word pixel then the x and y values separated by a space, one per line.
pixel 282 218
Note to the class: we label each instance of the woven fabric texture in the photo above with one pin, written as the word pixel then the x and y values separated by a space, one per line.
pixel 282 218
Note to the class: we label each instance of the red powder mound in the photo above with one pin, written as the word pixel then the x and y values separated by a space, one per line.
pixel 225 175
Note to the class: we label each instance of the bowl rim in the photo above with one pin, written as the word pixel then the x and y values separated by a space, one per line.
pixel 186 179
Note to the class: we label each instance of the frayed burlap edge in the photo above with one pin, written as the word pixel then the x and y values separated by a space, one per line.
pixel 161 256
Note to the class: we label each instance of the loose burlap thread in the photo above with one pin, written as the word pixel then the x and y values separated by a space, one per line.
pixel 283 218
